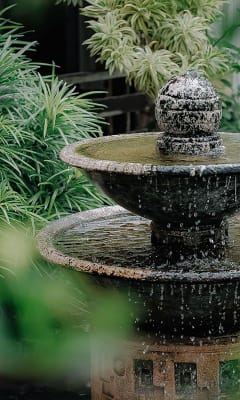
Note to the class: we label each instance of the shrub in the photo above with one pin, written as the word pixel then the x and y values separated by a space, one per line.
pixel 152 40
pixel 38 116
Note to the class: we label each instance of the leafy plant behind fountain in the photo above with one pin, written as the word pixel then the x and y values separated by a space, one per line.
pixel 152 40
pixel 38 115
pixel 229 38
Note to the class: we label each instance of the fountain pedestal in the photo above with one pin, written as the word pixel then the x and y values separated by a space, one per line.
pixel 209 240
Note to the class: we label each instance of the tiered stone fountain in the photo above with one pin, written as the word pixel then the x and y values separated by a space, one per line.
pixel 175 246
pixel 186 180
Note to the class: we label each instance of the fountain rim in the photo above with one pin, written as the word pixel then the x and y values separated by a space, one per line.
pixel 45 244
pixel 70 155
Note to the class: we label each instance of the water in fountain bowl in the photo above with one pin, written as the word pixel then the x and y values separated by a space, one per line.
pixel 173 190
pixel 141 148
pixel 112 246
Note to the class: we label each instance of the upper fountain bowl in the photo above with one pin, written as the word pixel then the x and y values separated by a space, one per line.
pixel 167 189
pixel 190 185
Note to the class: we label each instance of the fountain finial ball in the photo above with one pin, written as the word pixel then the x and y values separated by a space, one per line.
pixel 188 108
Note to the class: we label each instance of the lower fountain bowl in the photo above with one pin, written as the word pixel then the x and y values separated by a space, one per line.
pixel 192 309
pixel 197 297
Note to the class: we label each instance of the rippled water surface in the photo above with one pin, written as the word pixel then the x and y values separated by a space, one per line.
pixel 126 241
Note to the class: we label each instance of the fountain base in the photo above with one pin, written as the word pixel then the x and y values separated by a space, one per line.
pixel 164 368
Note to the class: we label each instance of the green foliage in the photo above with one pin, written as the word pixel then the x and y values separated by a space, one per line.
pixel 13 205
pixel 152 40
pixel 69 2
pixel 231 112
pixel 182 33
pixel 208 9
pixel 229 375
pixel 47 318
pixel 230 85
pixel 38 116
pixel 154 68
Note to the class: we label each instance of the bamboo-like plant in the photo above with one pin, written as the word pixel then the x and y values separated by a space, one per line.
pixel 38 116
pixel 152 40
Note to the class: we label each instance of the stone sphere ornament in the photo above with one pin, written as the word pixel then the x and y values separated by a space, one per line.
pixel 188 112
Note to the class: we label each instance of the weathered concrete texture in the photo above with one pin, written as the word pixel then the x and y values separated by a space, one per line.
pixel 188 107
pixel 167 102
pixel 147 369
pixel 211 145
pixel 190 123
pixel 190 85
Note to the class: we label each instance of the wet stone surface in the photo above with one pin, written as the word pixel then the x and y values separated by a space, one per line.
pixel 125 241
pixel 188 111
